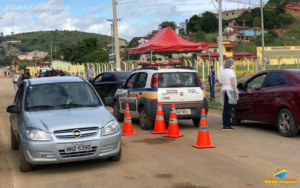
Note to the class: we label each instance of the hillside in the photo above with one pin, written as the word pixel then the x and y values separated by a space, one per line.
pixel 277 2
pixel 41 40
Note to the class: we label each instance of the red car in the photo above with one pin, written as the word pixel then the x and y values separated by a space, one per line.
pixel 272 97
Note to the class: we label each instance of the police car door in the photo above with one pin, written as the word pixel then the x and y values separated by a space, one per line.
pixel 126 94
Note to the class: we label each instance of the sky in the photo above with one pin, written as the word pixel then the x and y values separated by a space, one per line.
pixel 138 17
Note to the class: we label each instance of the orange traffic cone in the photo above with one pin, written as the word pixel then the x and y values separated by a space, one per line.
pixel 127 127
pixel 173 130
pixel 203 134
pixel 160 125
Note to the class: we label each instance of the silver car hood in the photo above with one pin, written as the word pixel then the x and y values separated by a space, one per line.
pixel 52 120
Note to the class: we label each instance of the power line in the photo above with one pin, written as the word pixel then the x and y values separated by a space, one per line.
pixel 83 16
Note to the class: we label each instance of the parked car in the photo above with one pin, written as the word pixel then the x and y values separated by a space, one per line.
pixel 42 70
pixel 15 80
pixel 149 85
pixel 53 72
pixel 272 97
pixel 106 84
pixel 62 119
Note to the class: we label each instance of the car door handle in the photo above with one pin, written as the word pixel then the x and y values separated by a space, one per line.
pixel 255 96
pixel 278 96
pixel 140 93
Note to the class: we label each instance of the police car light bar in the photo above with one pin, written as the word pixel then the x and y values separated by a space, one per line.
pixel 160 64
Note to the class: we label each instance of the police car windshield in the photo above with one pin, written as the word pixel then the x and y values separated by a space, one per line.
pixel 178 79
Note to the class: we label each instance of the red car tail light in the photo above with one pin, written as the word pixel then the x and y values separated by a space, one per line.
pixel 154 80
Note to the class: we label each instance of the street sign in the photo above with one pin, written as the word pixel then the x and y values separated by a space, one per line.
pixel 111 58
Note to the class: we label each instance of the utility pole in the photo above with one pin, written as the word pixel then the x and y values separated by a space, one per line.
pixel 55 51
pixel 12 25
pixel 116 36
pixel 220 36
pixel 35 58
pixel 244 22
pixel 112 39
pixel 51 51
pixel 262 35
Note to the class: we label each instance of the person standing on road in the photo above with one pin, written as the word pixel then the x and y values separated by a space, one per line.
pixel 24 76
pixel 212 82
pixel 90 73
pixel 229 93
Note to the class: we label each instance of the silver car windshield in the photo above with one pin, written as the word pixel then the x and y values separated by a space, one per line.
pixel 60 95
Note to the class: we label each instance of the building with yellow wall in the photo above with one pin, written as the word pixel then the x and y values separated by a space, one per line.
pixel 283 55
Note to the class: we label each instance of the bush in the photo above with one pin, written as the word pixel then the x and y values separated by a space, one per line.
pixel 273 34
pixel 285 19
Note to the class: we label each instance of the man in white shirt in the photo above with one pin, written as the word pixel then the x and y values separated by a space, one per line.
pixel 90 73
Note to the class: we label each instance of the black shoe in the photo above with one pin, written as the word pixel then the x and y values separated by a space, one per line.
pixel 229 129
pixel 224 128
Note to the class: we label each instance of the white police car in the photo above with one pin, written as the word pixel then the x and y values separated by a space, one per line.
pixel 149 85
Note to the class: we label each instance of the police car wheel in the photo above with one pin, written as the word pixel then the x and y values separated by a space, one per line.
pixel 117 113
pixel 145 122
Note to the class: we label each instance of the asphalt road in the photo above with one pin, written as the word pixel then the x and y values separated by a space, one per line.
pixel 243 158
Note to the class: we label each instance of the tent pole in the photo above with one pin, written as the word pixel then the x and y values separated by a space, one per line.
pixel 151 57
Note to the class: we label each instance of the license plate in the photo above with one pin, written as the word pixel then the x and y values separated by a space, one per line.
pixel 183 111
pixel 78 147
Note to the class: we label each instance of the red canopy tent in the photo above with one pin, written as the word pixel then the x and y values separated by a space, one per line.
pixel 166 40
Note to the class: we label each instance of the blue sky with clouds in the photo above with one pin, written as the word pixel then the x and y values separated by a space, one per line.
pixel 138 17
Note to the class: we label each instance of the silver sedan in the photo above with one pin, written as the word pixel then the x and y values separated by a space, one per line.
pixel 62 119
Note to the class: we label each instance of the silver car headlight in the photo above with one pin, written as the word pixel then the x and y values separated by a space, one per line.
pixel 110 128
pixel 37 134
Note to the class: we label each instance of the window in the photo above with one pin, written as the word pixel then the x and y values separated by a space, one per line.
pixel 108 78
pixel 227 37
pixel 123 75
pixel 298 74
pixel 257 82
pixel 226 14
pixel 98 79
pixel 130 82
pixel 277 79
pixel 159 59
pixel 19 96
pixel 141 81
pixel 60 95
pixel 179 79
pixel 233 13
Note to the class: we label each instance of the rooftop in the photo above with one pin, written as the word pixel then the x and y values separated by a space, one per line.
pixel 50 80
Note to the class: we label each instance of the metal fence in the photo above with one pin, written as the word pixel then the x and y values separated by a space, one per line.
pixel 201 66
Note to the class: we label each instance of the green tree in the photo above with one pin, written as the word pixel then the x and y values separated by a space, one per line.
pixel 200 36
pixel 7 60
pixel 134 43
pixel 209 22
pixel 168 24
pixel 96 56
pixel 256 22
pixel 256 12
pixel 285 19
pixel 23 64
pixel 246 15
pixel 271 21
pixel 193 22
pixel 131 56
